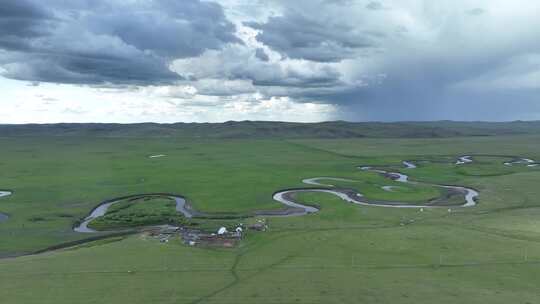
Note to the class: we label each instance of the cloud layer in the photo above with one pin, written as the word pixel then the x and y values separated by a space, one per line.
pixel 252 59
pixel 107 42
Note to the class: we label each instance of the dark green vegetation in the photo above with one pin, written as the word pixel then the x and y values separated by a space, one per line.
pixel 278 130
pixel 343 254
pixel 137 212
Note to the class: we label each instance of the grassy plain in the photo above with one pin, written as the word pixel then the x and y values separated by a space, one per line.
pixel 343 254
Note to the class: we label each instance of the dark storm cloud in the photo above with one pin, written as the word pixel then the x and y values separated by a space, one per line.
pixel 168 28
pixel 21 9
pixel 456 69
pixel 21 20
pixel 90 69
pixel 311 82
pixel 414 101
pixel 261 54
pixel 338 2
pixel 374 59
pixel 239 62
pixel 476 11
pixel 107 41
pixel 301 37
pixel 425 89
pixel 374 5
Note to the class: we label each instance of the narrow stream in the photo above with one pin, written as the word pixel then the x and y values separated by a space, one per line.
pixel 287 197
pixel 4 217
pixel 464 160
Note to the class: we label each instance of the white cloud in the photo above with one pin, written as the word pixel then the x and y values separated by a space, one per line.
pixel 69 103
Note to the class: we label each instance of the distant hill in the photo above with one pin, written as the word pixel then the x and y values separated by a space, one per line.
pixel 265 129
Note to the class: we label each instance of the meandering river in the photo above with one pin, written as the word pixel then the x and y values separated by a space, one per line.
pixel 287 197
pixel 295 208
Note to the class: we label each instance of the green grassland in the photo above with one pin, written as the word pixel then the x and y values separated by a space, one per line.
pixel 343 254
pixel 139 212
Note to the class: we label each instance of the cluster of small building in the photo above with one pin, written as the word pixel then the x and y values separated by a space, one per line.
pixel 193 237
pixel 259 225
pixel 163 233
pixel 222 238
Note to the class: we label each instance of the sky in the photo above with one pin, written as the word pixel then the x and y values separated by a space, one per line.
pixel 304 60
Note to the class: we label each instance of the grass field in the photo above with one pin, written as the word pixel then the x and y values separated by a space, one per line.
pixel 343 254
